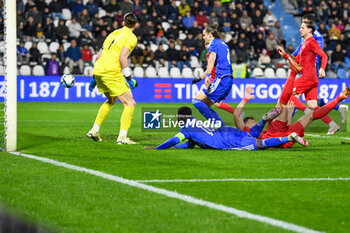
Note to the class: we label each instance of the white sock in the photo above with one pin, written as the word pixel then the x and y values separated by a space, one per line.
pixel 123 133
pixel 332 124
pixel 96 127
pixel 307 110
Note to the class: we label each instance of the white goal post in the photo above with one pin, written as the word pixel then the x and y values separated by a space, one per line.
pixel 10 67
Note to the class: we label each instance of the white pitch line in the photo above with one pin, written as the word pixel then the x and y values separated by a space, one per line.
pixel 175 195
pixel 245 180
pixel 321 136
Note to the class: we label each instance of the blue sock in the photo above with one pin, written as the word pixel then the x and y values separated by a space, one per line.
pixel 256 129
pixel 295 110
pixel 321 103
pixel 206 111
pixel 273 142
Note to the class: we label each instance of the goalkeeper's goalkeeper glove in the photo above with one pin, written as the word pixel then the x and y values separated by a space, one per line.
pixel 92 84
pixel 133 83
pixel 196 80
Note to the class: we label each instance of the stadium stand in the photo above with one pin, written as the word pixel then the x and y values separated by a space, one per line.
pixel 38 70
pixel 163 72
pixel 187 73
pixel 171 27
pixel 25 70
pixel 175 72
pixel 138 72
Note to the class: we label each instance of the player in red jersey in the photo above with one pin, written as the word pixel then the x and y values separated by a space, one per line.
pixel 307 83
pixel 221 105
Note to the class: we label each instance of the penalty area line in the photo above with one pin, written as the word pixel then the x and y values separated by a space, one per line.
pixel 245 180
pixel 176 195
pixel 321 136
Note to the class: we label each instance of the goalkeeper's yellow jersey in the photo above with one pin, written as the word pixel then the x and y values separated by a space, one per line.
pixel 108 64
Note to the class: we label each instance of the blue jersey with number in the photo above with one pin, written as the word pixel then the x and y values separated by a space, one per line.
pixel 226 138
pixel 223 57
pixel 318 37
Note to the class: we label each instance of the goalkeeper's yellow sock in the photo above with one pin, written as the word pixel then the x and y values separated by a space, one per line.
pixel 102 114
pixel 126 119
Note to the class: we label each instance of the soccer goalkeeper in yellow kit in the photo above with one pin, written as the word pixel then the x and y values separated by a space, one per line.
pixel 113 77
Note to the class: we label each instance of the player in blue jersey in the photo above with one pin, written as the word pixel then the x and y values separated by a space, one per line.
pixel 333 127
pixel 219 56
pixel 225 138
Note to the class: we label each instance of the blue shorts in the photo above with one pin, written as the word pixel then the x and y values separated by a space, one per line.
pixel 237 139
pixel 219 89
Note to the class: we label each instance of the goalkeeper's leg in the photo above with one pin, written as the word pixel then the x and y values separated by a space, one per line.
pixel 126 119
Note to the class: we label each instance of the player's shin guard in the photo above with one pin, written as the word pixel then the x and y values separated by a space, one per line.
pixel 126 119
pixel 288 88
pixel 256 129
pixel 322 102
pixel 226 107
pixel 103 113
pixel 274 142
pixel 206 111
pixel 322 112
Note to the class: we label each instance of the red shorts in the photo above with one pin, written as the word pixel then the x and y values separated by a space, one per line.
pixel 278 128
pixel 308 87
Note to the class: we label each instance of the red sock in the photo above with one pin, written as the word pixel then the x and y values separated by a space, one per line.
pixel 298 104
pixel 288 88
pixel 322 112
pixel 226 107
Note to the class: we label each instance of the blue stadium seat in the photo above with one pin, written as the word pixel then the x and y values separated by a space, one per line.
pixel 341 73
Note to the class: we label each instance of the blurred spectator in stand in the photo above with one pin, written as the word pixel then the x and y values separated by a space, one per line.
pixel 257 19
pixel 92 8
pixel 172 32
pixel 22 54
pixel 61 55
pixel 334 12
pixel 334 32
pixel 184 7
pixel 39 32
pixel 195 8
pixel 345 11
pixel 253 59
pixel 308 7
pixel 56 8
pixel 243 37
pixel 179 23
pixel 86 55
pixel 195 30
pixel 199 44
pixel 33 12
pixel 20 34
pixel 233 56
pixel 109 18
pixel 242 52
pixel 225 22
pixel 155 18
pixel 160 57
pixel 173 11
pixel 262 8
pixel 217 7
pixel 126 6
pixel 235 24
pixel 337 58
pixel 52 66
pixel 100 39
pixel 49 30
pixel 148 32
pixel 322 12
pixel 160 35
pixel 290 49
pixel 245 19
pixel 99 27
pixel 149 56
pixel 143 16
pixel 74 56
pixel 264 58
pixel 172 54
pixel 78 7
pixel 201 18
pixel 29 29
pixel 28 5
pixel 20 6
pixel 207 9
pixel 239 69
pixel 162 10
pixel 239 9
pixel 190 44
pixel 74 29
pixel 112 6
pixel 62 31
pixel 251 9
pixel 34 52
pixel 86 38
pixel 46 14
pixel 150 6
pixel 323 31
pixel 84 19
pixel 137 56
pixel 213 19
pixel 277 32
pixel 270 19
pixel 188 20
pixel 270 42
pixel 184 57
pixel 340 25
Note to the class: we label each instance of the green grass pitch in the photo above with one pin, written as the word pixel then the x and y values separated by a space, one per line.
pixel 70 201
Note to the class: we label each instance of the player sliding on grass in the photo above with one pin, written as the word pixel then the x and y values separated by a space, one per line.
pixel 342 109
pixel 283 125
pixel 219 57
pixel 113 78
pixel 225 138
pixel 221 104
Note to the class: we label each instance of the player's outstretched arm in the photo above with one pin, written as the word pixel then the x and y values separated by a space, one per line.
pixel 237 113
pixel 319 51
pixel 290 110
pixel 172 141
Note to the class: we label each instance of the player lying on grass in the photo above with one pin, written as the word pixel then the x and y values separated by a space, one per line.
pixel 224 138
pixel 283 125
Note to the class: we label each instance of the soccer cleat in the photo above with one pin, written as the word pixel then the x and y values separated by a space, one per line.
pixel 344 94
pixel 296 138
pixel 94 135
pixel 122 141
pixel 272 114
pixel 333 129
pixel 343 110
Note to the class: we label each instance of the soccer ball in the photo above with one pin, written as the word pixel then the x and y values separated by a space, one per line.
pixel 67 80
